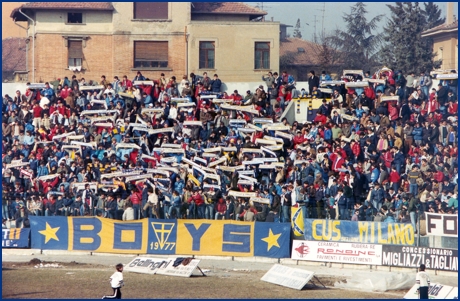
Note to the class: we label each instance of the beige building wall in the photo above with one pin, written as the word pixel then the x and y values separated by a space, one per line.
pixel 9 28
pixel 53 21
pixel 51 58
pixel 446 48
pixel 231 65
pixel 123 20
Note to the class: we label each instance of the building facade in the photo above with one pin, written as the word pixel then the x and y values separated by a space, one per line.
pixel 445 44
pixel 91 39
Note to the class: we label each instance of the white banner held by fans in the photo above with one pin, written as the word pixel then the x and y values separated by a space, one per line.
pixel 260 200
pixel 288 277
pixel 91 112
pixel 217 162
pixel 48 177
pixel 240 194
pixel 284 135
pixel 161 131
pixel 441 224
pixel 17 164
pixel 323 251
pixel 64 135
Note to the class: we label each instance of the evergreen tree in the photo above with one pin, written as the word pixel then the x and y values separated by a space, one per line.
pixel 297 33
pixel 359 42
pixel 432 14
pixel 404 48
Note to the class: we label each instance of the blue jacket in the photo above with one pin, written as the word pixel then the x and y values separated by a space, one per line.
pixel 42 171
pixel 375 174
pixel 47 92
pixel 179 186
pixel 377 195
pixel 417 132
pixel 342 202
pixel 327 134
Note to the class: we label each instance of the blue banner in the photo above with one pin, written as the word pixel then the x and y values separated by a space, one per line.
pixel 360 232
pixel 272 239
pixel 162 237
pixel 15 238
pixel 165 237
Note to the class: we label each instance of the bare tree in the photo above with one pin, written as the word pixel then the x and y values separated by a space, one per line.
pixel 324 49
pixel 13 56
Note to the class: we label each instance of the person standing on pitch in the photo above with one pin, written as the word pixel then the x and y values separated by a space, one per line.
pixel 423 282
pixel 116 281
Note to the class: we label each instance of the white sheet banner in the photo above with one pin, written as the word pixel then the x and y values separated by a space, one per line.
pixel 441 224
pixel 340 252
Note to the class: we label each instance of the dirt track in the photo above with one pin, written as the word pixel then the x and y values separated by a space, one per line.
pixel 88 281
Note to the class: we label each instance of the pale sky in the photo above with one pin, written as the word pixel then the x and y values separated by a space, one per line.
pixel 288 13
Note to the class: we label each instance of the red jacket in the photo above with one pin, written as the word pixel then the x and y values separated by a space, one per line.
pixel 136 198
pixel 369 92
pixel 337 163
pixel 320 118
pixel 394 177
pixel 197 198
pixel 299 140
pixel 388 158
pixel 127 83
pixel 356 149
pixel 221 207
pixel 37 112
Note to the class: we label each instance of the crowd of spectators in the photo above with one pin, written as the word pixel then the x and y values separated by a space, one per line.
pixel 358 158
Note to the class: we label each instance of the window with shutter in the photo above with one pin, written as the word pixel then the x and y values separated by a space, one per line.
pixel 151 10
pixel 262 55
pixel 150 54
pixel 75 53
pixel 207 55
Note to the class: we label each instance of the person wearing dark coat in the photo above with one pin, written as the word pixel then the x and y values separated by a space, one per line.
pixel 313 81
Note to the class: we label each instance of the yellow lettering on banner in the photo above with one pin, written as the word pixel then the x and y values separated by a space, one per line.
pixel 391 235
pixel 203 237
pixel 380 238
pixel 107 235
pixel 328 235
pixel 128 235
pixel 86 240
pixel 87 227
pixel 410 237
pixel 313 229
pixel 70 229
pixel 373 232
pixel 363 229
pixel 335 225
pixel 400 239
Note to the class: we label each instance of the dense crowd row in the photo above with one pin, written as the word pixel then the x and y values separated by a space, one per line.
pixel 166 148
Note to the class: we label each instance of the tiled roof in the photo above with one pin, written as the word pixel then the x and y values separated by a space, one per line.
pixel 14 54
pixel 71 5
pixel 226 8
pixel 60 5
pixel 442 27
pixel 292 45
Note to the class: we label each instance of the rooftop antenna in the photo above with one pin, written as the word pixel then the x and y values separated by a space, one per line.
pixel 260 5
pixel 322 22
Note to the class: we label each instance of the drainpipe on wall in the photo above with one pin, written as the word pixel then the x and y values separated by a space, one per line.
pixel 33 46
pixel 186 34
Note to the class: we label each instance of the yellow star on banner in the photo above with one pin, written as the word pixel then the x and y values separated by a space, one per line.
pixel 49 233
pixel 271 240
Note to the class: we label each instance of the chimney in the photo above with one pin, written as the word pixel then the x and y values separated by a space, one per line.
pixel 272 19
pixel 450 13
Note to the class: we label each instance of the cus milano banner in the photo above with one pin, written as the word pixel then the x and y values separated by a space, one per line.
pixel 360 232
pixel 168 237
